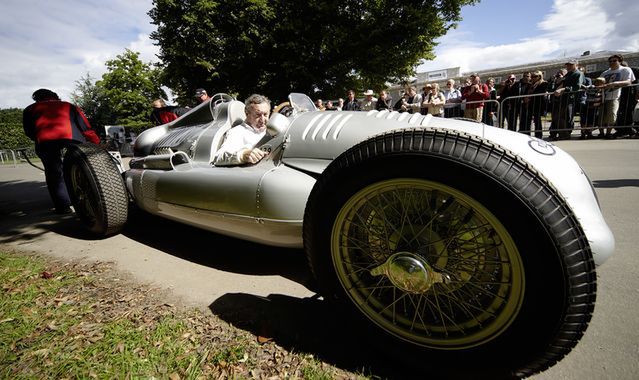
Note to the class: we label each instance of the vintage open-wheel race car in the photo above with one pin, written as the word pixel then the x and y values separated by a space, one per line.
pixel 448 240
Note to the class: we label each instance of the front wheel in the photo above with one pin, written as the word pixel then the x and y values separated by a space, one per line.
pixel 96 189
pixel 450 248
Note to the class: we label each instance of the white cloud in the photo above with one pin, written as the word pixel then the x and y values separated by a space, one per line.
pixel 54 43
pixel 571 27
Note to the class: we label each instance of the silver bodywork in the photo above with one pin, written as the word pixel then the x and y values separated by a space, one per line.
pixel 172 174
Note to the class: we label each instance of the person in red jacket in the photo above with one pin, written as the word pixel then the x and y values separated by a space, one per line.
pixel 475 93
pixel 54 125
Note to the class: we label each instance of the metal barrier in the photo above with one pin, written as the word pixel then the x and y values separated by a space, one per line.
pixel 18 155
pixel 4 156
pixel 558 116
pixel 489 111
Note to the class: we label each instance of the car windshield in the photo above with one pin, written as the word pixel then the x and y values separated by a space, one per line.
pixel 301 103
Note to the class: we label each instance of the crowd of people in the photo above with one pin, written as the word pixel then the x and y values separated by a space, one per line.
pixel 604 103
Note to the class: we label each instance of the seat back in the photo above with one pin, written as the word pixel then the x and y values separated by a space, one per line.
pixel 235 115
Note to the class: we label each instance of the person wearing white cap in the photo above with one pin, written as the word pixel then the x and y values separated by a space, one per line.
pixel 370 102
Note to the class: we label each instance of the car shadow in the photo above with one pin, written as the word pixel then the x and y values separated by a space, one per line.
pixel 614 183
pixel 217 251
pixel 308 325
pixel 312 325
pixel 26 214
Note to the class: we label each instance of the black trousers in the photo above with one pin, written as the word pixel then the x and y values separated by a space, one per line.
pixel 50 152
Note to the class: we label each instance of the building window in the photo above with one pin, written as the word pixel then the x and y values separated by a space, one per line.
pixel 591 68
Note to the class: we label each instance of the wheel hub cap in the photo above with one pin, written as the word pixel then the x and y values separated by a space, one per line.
pixel 409 272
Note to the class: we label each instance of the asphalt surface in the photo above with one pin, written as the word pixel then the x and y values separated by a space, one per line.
pixel 234 278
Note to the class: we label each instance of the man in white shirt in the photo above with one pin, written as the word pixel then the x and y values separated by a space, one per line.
pixel 239 147
pixel 616 76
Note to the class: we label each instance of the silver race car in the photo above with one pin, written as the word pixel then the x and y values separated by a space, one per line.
pixel 446 239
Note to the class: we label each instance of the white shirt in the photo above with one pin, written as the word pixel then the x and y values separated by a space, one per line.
pixel 620 74
pixel 237 139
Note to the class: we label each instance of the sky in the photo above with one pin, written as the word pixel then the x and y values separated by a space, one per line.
pixel 54 43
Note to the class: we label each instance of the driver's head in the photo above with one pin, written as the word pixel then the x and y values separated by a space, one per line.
pixel 257 108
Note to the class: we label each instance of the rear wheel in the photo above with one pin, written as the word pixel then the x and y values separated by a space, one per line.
pixel 96 189
pixel 453 249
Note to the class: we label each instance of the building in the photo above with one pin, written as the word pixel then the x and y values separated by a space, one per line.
pixel 594 63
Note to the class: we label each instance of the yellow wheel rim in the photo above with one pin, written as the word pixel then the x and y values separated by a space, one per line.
pixel 464 284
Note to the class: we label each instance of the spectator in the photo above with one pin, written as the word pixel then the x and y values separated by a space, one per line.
pixel 55 125
pixel 507 106
pixel 617 76
pixel 242 142
pixel 411 102
pixel 568 94
pixel 490 107
pixel 384 102
pixel 340 104
pixel 370 102
pixel 351 104
pixel 423 109
pixel 582 95
pixel 592 116
pixel 521 88
pixel 435 101
pixel 554 102
pixel 161 114
pixel 320 105
pixel 201 95
pixel 474 94
pixel 453 99
pixel 330 106
pixel 535 104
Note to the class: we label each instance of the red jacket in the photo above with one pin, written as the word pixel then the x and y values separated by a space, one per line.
pixel 50 120
pixel 482 94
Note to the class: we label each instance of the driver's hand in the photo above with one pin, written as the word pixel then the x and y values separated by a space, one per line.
pixel 253 156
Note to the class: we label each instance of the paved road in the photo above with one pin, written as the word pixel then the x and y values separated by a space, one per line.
pixel 239 280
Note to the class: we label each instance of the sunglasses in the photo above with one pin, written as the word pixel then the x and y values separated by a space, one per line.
pixel 613 61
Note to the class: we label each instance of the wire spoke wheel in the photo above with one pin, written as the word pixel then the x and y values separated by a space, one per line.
pixel 427 263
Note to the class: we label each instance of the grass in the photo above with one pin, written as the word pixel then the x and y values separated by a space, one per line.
pixel 79 321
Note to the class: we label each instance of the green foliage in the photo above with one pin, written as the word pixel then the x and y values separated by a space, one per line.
pixel 128 88
pixel 11 133
pixel 275 47
pixel 12 136
pixel 92 100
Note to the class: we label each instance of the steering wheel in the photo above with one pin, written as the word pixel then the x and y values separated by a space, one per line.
pixel 284 108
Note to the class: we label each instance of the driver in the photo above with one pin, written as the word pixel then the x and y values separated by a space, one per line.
pixel 241 143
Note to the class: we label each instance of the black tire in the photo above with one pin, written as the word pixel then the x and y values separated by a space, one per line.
pixel 460 202
pixel 96 189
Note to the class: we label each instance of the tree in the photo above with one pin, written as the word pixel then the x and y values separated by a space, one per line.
pixel 128 88
pixel 11 133
pixel 319 47
pixel 92 100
